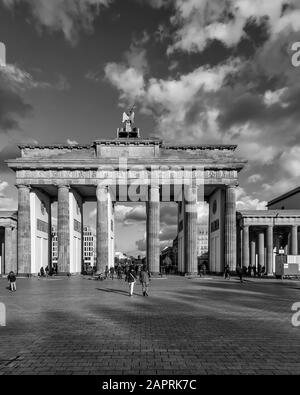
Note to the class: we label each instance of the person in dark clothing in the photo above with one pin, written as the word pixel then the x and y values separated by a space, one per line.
pixel 259 270
pixel 119 272
pixel 42 272
pixel 12 281
pixel 145 280
pixel 249 270
pixel 106 271
pixel 239 272
pixel 55 267
pixel 112 271
pixel 227 272
pixel 254 270
pixel 131 279
pixel 47 271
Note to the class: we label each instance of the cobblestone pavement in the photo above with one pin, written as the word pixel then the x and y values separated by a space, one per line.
pixel 186 326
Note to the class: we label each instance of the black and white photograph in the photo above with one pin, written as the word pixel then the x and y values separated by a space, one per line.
pixel 149 190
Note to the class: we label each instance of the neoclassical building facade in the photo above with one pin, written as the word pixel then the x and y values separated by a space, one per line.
pixel 127 168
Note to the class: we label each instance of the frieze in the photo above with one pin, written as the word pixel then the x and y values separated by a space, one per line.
pixel 103 174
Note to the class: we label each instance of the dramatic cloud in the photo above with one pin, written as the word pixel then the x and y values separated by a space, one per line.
pixel 68 16
pixel 198 22
pixel 129 215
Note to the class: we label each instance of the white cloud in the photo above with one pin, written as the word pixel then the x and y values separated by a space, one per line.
pixel 18 80
pixel 72 142
pixel 274 97
pixel 254 178
pixel 67 16
pixel 246 202
pixel 3 186
pixel 128 80
pixel 290 161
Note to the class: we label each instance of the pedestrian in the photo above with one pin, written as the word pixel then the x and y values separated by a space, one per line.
pixel 259 270
pixel 227 272
pixel 12 279
pixel 202 270
pixel 145 280
pixel 254 270
pixel 111 271
pixel 42 272
pixel 239 272
pixel 106 271
pixel 131 279
pixel 119 272
pixel 55 268
pixel 249 270
pixel 167 263
pixel 47 271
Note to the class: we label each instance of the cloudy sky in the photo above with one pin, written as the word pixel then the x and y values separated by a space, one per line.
pixel 199 71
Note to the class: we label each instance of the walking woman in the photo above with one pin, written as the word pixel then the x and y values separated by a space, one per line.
pixel 131 278
pixel 145 280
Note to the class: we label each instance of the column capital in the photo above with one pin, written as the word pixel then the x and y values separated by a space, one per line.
pixel 23 186
pixel 232 186
pixel 63 186
pixel 100 186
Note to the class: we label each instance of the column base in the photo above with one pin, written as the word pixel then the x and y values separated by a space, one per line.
pixel 269 275
pixel 192 274
pixel 157 274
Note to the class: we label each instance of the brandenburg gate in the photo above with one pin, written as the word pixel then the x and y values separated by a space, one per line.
pixel 126 168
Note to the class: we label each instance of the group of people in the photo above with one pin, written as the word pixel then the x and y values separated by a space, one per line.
pixel 52 271
pixel 244 271
pixel 144 276
pixel 132 273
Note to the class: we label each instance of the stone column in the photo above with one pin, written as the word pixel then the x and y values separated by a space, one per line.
pixel 63 229
pixel 246 246
pixel 270 250
pixel 230 227
pixel 8 250
pixel 24 230
pixel 191 234
pixel 153 224
pixel 261 248
pixel 102 228
pixel 295 240
pixel 2 249
pixel 253 251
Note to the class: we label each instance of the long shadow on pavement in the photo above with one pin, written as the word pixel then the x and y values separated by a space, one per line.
pixel 116 291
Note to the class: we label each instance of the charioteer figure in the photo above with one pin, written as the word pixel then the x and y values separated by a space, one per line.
pixel 128 130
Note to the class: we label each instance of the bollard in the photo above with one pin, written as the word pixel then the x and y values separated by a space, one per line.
pixel 2 314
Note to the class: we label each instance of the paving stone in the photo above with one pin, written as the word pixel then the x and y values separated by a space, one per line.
pixel 186 326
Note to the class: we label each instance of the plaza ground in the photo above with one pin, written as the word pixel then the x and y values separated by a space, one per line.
pixel 186 326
